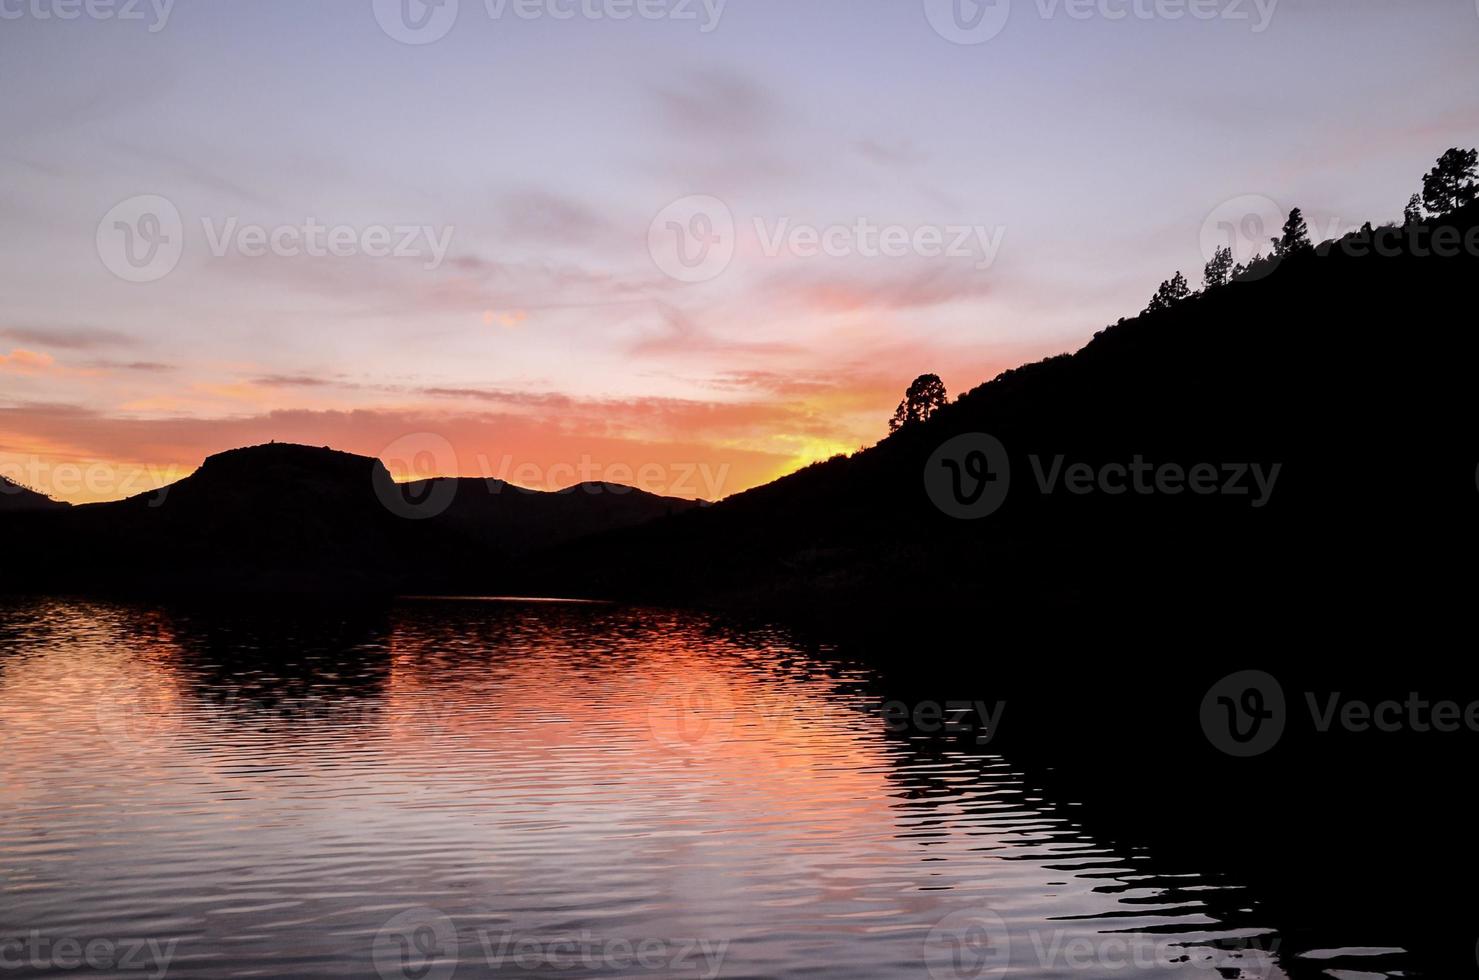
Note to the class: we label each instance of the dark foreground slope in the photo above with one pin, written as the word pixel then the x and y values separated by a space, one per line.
pixel 288 518
pixel 1352 373
pixel 15 498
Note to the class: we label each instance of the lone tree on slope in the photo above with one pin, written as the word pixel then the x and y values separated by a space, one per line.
pixel 924 398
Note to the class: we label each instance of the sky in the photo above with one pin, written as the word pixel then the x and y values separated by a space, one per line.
pixel 686 244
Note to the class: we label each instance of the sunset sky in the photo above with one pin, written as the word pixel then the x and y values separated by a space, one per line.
pixel 536 329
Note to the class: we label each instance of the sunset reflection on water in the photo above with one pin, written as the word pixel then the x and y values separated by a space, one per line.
pixel 279 791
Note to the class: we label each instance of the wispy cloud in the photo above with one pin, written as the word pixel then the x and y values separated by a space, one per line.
pixel 716 102
pixel 66 338
pixel 543 216
pixel 25 362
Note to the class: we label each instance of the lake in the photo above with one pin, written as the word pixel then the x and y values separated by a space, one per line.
pixel 438 788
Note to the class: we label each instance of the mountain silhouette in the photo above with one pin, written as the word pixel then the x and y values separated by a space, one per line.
pixel 1340 376
pixel 291 518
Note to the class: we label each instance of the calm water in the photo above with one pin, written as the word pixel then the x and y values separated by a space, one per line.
pixel 451 788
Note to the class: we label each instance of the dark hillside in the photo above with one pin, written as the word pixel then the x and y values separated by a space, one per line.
pixel 15 498
pixel 1350 371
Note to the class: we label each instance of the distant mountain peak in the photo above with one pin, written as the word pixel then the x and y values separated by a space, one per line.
pixel 283 458
pixel 285 452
